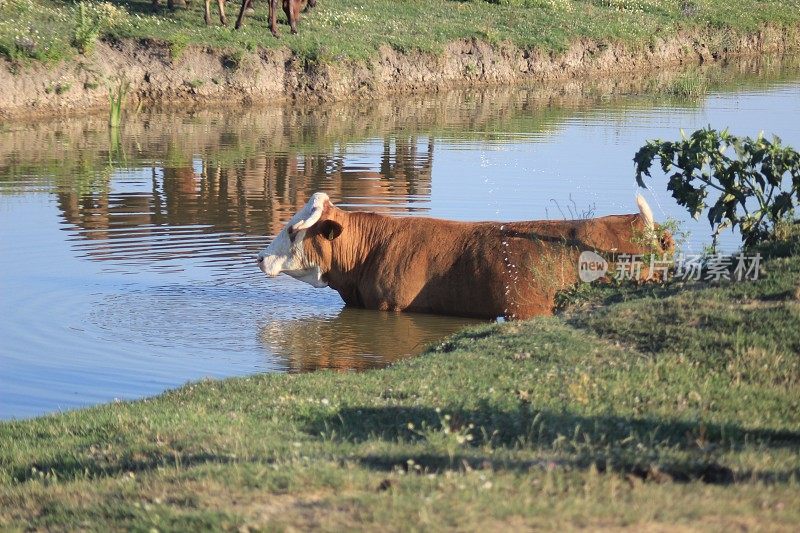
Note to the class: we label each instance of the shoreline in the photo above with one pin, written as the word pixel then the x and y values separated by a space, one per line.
pixel 206 77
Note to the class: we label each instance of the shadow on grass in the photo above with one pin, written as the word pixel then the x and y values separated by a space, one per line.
pixel 646 448
pixel 146 7
pixel 649 449
pixel 72 466
pixel 606 295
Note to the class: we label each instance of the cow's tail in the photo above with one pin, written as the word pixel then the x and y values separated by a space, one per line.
pixel 646 212
pixel 662 239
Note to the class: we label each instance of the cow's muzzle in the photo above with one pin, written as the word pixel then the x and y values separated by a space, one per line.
pixel 263 265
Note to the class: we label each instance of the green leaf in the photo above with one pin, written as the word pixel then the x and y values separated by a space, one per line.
pixel 700 163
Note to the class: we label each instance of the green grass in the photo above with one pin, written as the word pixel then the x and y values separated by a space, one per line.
pixel 639 407
pixel 691 84
pixel 354 29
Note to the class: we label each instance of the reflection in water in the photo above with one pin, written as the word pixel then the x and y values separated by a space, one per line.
pixel 128 269
pixel 355 339
pixel 184 210
pixel 256 195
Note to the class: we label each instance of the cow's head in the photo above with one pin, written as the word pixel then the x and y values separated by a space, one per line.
pixel 303 248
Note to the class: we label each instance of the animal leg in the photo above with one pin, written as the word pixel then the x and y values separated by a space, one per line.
pixel 294 9
pixel 273 17
pixel 222 19
pixel 207 13
pixel 240 18
pixel 287 8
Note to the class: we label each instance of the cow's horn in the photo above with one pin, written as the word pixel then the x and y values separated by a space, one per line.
pixel 319 205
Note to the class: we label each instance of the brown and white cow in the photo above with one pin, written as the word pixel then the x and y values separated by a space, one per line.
pixel 477 269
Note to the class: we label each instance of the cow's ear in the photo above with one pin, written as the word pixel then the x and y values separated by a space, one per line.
pixel 330 229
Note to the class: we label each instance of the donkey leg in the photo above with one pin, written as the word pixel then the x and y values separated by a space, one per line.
pixel 240 18
pixel 273 17
pixel 294 14
pixel 222 19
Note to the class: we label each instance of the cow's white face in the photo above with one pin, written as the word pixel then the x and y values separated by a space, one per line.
pixel 286 252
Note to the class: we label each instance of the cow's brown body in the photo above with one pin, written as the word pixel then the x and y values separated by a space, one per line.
pixel 482 269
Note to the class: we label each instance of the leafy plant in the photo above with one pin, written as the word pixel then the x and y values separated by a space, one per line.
pixel 116 98
pixel 757 186
pixel 87 29
pixel 177 44
pixel 93 19
pixel 661 242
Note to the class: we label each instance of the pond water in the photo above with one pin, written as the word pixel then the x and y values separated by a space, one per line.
pixel 127 262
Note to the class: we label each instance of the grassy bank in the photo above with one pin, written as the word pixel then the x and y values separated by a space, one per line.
pixel 637 407
pixel 52 29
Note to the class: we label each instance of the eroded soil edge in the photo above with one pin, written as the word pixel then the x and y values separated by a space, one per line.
pixel 211 77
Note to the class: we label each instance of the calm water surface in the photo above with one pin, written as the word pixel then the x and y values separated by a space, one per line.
pixel 127 264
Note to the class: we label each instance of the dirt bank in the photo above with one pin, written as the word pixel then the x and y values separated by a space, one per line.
pixel 208 76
